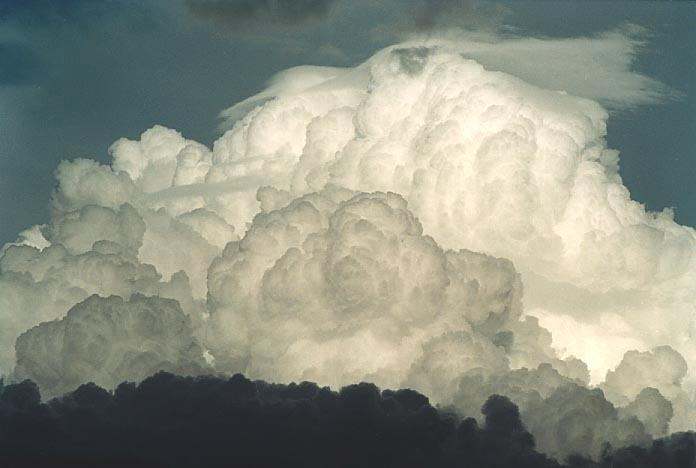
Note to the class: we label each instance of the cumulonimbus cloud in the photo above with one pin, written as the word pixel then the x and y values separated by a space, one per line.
pixel 494 164
pixel 356 224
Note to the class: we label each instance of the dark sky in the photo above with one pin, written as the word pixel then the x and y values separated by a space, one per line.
pixel 76 75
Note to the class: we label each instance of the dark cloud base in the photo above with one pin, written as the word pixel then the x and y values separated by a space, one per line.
pixel 172 421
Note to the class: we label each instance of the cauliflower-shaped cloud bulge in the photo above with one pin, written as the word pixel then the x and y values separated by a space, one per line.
pixel 577 419
pixel 493 164
pixel 107 341
pixel 660 370
pixel 92 250
pixel 339 286
pixel 486 161
pixel 563 414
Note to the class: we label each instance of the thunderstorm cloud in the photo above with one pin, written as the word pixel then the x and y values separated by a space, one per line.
pixel 445 217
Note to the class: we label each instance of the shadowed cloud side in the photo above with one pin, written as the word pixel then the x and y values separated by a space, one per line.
pixel 182 421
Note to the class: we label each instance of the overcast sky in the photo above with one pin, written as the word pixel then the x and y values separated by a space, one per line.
pixel 75 75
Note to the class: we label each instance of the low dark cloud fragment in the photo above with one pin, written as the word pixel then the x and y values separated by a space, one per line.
pixel 211 421
pixel 208 421
pixel 250 13
pixel 22 396
pixel 502 416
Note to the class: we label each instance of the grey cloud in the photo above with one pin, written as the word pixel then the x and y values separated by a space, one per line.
pixel 576 419
pixel 174 421
pixel 109 340
pixel 652 409
pixel 661 369
pixel 181 422
pixel 564 415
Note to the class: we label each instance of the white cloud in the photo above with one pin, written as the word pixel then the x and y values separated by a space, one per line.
pixel 340 286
